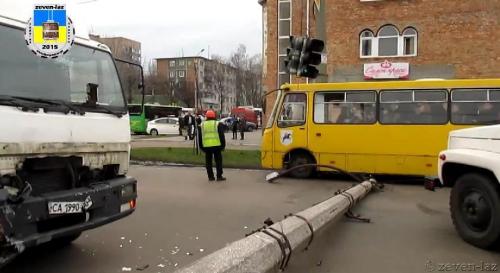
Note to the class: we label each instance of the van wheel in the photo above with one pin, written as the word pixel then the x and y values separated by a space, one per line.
pixel 301 159
pixel 154 132
pixel 475 206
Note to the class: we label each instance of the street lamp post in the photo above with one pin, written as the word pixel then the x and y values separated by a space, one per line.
pixel 196 144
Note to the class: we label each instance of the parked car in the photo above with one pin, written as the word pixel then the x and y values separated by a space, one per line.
pixel 247 113
pixel 163 126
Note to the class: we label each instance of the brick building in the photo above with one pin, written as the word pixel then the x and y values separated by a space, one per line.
pixel 122 48
pixel 215 81
pixel 418 38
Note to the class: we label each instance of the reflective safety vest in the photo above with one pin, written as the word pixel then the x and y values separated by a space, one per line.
pixel 210 134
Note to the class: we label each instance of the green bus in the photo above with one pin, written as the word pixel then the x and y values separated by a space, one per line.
pixel 139 117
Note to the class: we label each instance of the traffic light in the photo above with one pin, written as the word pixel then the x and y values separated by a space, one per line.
pixel 311 56
pixel 293 53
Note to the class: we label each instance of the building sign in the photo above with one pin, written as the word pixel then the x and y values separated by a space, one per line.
pixel 386 70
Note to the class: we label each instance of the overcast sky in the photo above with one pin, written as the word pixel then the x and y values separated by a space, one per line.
pixel 166 28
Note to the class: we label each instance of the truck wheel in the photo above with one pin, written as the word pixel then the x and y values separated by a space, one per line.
pixel 475 210
pixel 301 159
pixel 154 132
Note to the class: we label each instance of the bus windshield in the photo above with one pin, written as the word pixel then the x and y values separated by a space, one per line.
pixel 271 117
pixel 24 75
pixel 134 109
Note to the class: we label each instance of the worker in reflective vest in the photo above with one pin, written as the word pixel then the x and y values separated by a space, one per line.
pixel 212 143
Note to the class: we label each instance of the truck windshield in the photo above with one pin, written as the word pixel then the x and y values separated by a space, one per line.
pixel 65 79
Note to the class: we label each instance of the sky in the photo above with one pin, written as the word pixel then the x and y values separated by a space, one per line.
pixel 165 28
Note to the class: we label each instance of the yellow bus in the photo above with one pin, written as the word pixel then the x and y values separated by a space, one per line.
pixel 390 127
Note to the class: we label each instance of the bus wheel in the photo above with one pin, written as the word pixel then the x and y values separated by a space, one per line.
pixel 154 132
pixel 301 159
pixel 475 206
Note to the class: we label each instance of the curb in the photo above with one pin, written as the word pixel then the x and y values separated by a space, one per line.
pixel 172 164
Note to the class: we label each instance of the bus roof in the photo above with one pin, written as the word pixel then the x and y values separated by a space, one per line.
pixel 418 84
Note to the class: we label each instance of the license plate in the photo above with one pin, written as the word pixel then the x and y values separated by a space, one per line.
pixel 66 207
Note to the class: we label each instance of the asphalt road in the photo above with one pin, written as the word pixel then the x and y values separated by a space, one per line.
pixel 181 217
pixel 251 142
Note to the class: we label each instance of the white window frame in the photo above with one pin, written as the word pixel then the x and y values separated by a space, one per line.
pixel 181 73
pixel 280 37
pixel 400 45
pixel 415 45
pixel 172 63
pixel 172 74
pixel 362 39
pixel 181 63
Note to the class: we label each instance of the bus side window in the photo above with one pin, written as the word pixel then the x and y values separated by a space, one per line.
pixel 475 106
pixel 350 107
pixel 414 107
pixel 293 111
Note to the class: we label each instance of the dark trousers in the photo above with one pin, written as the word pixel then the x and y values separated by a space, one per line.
pixel 242 134
pixel 217 154
pixel 235 134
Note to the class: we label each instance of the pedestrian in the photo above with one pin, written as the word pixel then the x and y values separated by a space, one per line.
pixel 189 124
pixel 234 127
pixel 243 127
pixel 182 127
pixel 212 143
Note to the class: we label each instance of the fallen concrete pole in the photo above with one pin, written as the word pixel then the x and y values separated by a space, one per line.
pixel 269 250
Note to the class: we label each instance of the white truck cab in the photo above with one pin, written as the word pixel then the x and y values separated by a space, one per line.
pixel 64 143
pixel 471 165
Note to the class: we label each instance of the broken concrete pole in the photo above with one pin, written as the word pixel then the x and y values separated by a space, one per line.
pixel 261 251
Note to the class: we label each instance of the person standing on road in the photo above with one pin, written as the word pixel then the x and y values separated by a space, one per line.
pixel 189 123
pixel 234 127
pixel 243 126
pixel 212 143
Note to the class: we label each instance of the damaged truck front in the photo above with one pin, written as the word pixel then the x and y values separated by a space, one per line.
pixel 64 143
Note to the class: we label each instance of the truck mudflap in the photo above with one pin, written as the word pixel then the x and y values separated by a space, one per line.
pixel 38 220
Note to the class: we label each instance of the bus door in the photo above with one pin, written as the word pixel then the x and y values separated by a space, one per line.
pixel 291 131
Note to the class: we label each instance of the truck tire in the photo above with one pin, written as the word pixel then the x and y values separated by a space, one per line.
pixel 300 159
pixel 475 210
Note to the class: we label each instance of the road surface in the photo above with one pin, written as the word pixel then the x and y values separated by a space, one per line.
pixel 181 217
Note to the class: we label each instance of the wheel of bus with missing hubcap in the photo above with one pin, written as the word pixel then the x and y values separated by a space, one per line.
pixel 475 210
pixel 154 132
pixel 301 159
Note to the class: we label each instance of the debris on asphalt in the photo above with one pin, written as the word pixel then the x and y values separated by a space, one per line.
pixel 196 238
pixel 141 268
pixel 121 246
pixel 161 265
pixel 140 247
pixel 129 241
pixel 201 249
pixel 319 263
pixel 146 234
pixel 123 238
pixel 176 264
pixel 126 269
pixel 245 227
pixel 189 253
